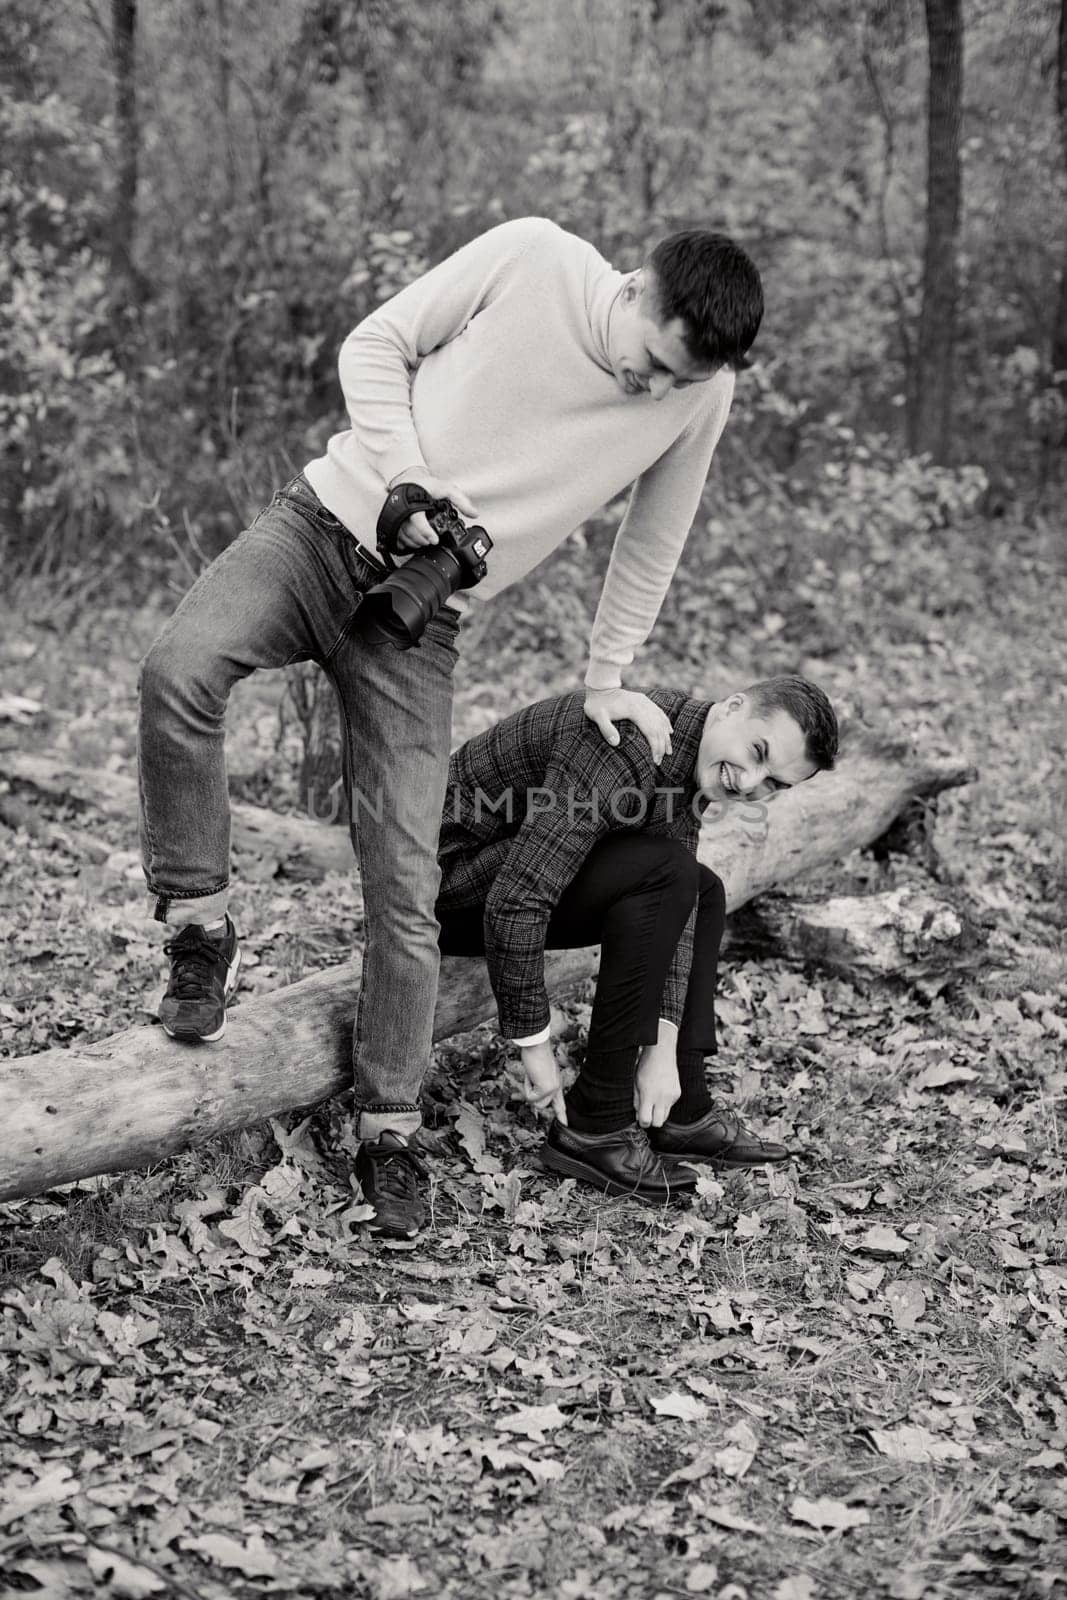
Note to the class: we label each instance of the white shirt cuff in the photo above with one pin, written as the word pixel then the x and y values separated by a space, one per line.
pixel 535 1038
pixel 546 1033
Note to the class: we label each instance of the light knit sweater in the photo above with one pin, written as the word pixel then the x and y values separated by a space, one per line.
pixel 492 371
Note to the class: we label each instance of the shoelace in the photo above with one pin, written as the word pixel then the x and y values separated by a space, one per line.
pixel 638 1137
pixel 729 1118
pixel 194 957
pixel 395 1173
pixel 735 1129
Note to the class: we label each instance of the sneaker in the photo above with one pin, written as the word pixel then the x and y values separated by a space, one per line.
pixel 203 975
pixel 393 1180
pixel 718 1138
pixel 619 1163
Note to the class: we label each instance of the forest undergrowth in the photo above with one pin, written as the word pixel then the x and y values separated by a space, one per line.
pixel 849 1376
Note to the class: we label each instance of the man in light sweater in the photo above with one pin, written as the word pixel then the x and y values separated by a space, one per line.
pixel 529 383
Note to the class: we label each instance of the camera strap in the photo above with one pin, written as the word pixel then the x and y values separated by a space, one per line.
pixel 402 501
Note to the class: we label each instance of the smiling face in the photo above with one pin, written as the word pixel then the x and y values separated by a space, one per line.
pixel 745 756
pixel 649 356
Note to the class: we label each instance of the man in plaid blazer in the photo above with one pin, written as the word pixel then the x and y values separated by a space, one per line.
pixel 553 838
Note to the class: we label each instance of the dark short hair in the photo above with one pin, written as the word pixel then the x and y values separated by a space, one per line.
pixel 808 706
pixel 714 287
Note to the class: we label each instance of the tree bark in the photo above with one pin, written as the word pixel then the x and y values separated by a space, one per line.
pixel 138 1097
pixel 224 75
pixel 904 933
pixel 125 290
pixel 930 410
pixel 1059 330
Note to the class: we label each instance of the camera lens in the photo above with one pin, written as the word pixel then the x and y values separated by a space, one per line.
pixel 397 610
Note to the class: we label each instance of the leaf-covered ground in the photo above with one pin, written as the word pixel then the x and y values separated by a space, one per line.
pixel 842 1378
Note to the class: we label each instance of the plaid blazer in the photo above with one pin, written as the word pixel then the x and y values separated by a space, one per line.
pixel 527 800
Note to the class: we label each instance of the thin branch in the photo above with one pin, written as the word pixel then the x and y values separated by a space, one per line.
pixel 102 27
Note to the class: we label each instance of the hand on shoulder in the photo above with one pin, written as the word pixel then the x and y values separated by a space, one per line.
pixel 606 707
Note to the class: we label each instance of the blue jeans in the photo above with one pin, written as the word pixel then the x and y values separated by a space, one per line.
pixel 287 590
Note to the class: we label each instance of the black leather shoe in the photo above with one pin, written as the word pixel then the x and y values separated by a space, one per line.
pixel 619 1163
pixel 719 1138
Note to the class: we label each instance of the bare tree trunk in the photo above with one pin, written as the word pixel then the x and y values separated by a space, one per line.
pixel 888 122
pixel 1059 329
pixel 224 75
pixel 930 409
pixel 125 285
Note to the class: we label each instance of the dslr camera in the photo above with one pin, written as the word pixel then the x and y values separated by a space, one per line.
pixel 397 610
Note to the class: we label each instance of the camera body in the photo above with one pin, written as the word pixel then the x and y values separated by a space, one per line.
pixel 468 545
pixel 397 610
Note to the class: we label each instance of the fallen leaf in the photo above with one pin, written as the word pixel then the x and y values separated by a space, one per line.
pixel 311 1277
pixel 51 1488
pixel 685 1407
pixel 723 1517
pixel 61 1578
pixel 735 1458
pixel 912 1443
pixel 473 1340
pixel 700 1467
pixel 909 1583
pixel 391 1577
pixel 883 1243
pixel 566 1335
pixel 906 1299
pixel 275 1481
pixel 422 1311
pixel 828 1515
pixel 936 1077
pixel 502 1460
pixel 861 1285
pixel 18 708
pixel 706 1387
pixel 700 1577
pixel 470 1129
pixel 127 1579
pixel 1009 1145
pixel 797 1587
pixel 531 1421
pixel 246 1228
pixel 542 1468
pixel 503 1190
pixel 253 1558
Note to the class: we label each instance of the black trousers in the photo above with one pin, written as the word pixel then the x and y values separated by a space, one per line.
pixel 633 896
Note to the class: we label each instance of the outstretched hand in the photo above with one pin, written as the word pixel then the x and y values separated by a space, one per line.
pixel 542 1087
pixel 606 707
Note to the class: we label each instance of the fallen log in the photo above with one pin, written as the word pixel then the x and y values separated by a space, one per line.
pixel 137 1097
pixel 904 933
pixel 264 843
